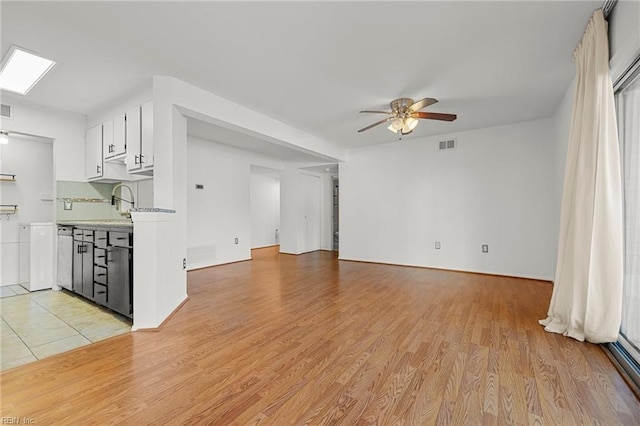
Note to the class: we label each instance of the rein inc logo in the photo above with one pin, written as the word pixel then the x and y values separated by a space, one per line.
pixel 17 421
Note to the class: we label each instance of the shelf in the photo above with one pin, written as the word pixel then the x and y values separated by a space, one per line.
pixel 117 159
pixel 7 177
pixel 8 209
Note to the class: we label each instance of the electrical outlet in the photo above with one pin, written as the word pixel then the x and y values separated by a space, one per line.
pixel 437 245
pixel 184 263
pixel 236 240
pixel 485 248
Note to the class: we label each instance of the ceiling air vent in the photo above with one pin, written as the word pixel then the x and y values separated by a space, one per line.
pixel 448 144
pixel 5 111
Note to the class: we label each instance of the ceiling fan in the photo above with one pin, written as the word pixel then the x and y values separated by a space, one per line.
pixel 405 113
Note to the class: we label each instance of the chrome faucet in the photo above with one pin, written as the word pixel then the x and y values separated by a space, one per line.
pixel 114 197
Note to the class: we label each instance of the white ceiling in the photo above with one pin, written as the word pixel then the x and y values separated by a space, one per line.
pixel 312 65
pixel 211 132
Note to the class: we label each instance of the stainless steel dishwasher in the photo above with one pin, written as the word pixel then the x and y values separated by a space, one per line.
pixel 65 257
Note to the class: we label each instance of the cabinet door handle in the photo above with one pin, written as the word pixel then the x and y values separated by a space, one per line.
pixel 98 169
pixel 101 292
pixel 141 158
pixel 136 159
pixel 101 275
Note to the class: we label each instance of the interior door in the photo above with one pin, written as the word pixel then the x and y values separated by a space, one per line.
pixel 310 213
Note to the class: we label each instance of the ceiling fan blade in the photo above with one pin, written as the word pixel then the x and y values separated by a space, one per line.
pixel 435 116
pixel 375 124
pixel 377 112
pixel 422 103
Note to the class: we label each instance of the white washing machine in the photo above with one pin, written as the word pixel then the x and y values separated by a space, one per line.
pixel 37 256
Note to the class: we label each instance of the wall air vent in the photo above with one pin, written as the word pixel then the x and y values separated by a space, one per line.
pixel 5 111
pixel 448 144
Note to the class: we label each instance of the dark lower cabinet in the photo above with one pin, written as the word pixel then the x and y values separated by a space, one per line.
pixel 103 268
pixel 100 292
pixel 119 280
pixel 82 276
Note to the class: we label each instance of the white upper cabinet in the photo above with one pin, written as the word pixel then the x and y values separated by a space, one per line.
pixel 107 139
pixel 94 152
pixel 140 139
pixel 117 145
pixel 125 147
pixel 146 146
pixel 133 138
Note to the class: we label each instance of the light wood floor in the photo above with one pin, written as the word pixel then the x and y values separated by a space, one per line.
pixel 308 339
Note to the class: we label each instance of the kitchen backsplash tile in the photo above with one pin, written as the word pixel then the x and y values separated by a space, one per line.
pixel 90 201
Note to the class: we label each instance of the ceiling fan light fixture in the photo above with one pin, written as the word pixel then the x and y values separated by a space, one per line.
pixel 411 123
pixel 405 113
pixel 396 125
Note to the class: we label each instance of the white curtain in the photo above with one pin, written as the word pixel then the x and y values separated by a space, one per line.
pixel 630 136
pixel 587 293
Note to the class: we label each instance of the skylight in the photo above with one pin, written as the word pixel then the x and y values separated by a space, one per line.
pixel 21 70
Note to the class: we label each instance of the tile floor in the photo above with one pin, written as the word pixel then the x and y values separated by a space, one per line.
pixel 44 323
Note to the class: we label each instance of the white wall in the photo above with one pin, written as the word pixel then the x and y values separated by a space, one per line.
pixel 66 129
pixel 31 160
pixel 496 188
pixel 144 192
pixel 289 190
pixel 265 209
pixel 220 212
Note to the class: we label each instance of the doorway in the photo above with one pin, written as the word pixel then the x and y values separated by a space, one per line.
pixel 27 192
pixel 265 207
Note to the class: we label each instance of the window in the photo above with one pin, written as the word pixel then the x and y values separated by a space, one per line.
pixel 627 91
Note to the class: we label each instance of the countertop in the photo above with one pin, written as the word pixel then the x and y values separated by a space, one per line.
pixel 152 210
pixel 102 223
